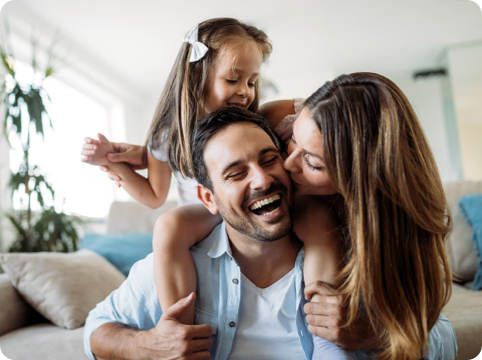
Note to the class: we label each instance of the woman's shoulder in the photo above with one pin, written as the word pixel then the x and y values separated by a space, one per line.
pixel 313 214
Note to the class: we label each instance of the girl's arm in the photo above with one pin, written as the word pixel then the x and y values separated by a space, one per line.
pixel 275 111
pixel 174 233
pixel 151 191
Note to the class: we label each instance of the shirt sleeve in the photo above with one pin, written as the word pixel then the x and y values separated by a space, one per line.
pixel 134 303
pixel 160 153
pixel 442 342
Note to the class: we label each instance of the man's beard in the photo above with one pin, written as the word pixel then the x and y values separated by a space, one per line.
pixel 245 223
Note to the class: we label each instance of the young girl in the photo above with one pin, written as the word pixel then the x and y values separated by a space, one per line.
pixel 218 65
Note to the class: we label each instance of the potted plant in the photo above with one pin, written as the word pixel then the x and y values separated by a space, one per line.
pixel 46 229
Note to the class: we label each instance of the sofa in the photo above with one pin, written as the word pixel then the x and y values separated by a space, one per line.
pixel 26 335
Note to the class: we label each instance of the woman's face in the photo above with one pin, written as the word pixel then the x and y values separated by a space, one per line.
pixel 305 161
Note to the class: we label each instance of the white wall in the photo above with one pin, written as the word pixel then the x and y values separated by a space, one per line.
pixel 466 78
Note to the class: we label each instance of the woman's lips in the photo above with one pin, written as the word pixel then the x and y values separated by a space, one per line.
pixel 295 183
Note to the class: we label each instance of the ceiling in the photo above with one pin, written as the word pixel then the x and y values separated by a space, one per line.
pixel 138 41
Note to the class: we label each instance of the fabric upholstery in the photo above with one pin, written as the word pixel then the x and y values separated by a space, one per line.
pixel 460 248
pixel 62 287
pixel 471 206
pixel 121 250
pixel 43 342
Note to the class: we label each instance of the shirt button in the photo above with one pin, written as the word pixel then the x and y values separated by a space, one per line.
pixel 230 258
pixel 235 281
pixel 232 324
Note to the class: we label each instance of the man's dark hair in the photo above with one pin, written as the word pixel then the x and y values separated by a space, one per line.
pixel 212 124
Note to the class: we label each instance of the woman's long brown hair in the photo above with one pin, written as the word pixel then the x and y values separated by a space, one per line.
pixel 396 215
pixel 181 101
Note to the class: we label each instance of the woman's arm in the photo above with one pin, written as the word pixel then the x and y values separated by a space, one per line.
pixel 174 233
pixel 152 191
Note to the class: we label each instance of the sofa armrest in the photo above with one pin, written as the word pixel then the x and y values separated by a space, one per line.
pixel 14 310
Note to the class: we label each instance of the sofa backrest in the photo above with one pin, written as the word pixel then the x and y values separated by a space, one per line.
pixel 133 217
pixel 460 247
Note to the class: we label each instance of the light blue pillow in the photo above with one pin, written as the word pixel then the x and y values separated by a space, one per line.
pixel 122 250
pixel 471 206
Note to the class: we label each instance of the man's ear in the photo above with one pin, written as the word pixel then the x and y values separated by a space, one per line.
pixel 207 198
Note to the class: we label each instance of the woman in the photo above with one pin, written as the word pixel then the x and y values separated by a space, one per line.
pixel 358 137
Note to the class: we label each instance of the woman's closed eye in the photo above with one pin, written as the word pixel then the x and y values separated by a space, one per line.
pixel 306 157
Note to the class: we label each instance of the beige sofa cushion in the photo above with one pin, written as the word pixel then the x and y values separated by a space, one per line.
pixel 62 287
pixel 464 311
pixel 43 342
pixel 14 311
pixel 460 247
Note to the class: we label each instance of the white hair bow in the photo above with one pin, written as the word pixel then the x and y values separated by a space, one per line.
pixel 198 48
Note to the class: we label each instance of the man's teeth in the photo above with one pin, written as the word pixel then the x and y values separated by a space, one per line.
pixel 260 203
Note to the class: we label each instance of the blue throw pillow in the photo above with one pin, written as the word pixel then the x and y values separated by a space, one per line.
pixel 122 250
pixel 471 206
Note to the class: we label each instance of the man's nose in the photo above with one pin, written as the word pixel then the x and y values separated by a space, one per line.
pixel 260 179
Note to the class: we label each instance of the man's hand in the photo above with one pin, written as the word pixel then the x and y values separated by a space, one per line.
pixel 326 317
pixel 175 340
pixel 168 340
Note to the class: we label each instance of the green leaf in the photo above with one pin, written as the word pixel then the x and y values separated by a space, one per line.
pixel 5 127
pixel 5 62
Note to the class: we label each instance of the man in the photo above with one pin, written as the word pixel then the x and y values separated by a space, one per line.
pixel 253 250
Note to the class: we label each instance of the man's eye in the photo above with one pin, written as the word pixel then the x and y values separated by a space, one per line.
pixel 270 161
pixel 235 175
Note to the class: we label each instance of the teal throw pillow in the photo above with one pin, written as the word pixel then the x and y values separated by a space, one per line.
pixel 121 250
pixel 471 206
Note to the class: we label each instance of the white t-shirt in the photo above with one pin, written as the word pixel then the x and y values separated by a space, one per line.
pixel 266 326
pixel 186 187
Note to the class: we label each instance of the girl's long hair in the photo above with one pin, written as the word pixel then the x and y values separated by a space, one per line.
pixel 396 215
pixel 181 101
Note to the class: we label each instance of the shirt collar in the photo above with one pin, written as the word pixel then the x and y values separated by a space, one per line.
pixel 220 244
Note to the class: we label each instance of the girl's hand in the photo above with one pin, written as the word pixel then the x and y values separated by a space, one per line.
pixel 95 151
pixel 112 174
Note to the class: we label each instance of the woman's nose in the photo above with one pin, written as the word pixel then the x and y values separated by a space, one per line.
pixel 291 163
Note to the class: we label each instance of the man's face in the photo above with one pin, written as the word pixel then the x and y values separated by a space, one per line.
pixel 252 191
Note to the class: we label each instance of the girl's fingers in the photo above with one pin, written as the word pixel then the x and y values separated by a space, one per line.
pixel 87 146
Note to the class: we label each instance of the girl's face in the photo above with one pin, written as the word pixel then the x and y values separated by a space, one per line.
pixel 233 77
pixel 305 161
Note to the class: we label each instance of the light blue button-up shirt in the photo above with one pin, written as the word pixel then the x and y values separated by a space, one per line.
pixel 136 304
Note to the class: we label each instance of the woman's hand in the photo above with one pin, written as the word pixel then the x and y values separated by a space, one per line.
pixel 134 155
pixel 327 316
